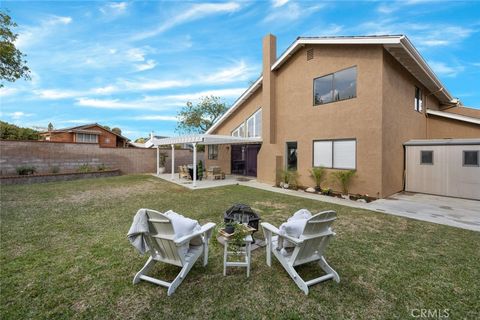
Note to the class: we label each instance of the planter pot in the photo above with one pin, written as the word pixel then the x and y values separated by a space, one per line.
pixel 161 170
pixel 229 229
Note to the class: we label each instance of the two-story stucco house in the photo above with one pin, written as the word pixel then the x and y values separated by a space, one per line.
pixel 340 103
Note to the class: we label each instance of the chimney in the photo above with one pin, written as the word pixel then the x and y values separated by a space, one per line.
pixel 268 89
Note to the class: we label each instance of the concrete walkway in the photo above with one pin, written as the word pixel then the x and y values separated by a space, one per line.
pixel 455 212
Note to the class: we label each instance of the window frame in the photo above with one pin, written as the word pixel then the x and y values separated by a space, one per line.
pixel 333 88
pixel 211 154
pixel 237 129
pixel 286 155
pixel 470 165
pixel 426 163
pixel 418 102
pixel 333 153
pixel 253 117
pixel 84 135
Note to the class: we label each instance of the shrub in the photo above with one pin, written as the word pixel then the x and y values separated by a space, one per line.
pixel 200 169
pixel 26 170
pixel 84 168
pixel 344 178
pixel 101 167
pixel 55 169
pixel 293 179
pixel 282 176
pixel 163 159
pixel 317 174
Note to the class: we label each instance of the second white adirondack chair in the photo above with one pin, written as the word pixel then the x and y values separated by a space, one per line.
pixel 309 247
pixel 165 248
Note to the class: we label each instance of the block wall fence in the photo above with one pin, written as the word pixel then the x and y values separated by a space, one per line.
pixel 46 155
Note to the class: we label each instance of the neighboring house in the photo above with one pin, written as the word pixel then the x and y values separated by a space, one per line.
pixel 89 133
pixel 340 103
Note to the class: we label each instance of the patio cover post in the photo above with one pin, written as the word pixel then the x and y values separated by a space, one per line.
pixel 158 160
pixel 173 161
pixel 194 164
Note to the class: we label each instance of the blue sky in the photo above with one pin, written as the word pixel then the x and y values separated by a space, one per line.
pixel 134 64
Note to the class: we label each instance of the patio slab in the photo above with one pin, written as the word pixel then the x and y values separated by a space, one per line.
pixel 204 183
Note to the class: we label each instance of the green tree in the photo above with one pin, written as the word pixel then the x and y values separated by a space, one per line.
pixel 141 140
pixel 12 63
pixel 12 132
pixel 107 128
pixel 50 126
pixel 117 131
pixel 200 117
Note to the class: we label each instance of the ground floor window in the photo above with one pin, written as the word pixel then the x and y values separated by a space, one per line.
pixel 470 158
pixel 336 154
pixel 87 138
pixel 291 156
pixel 213 152
pixel 426 157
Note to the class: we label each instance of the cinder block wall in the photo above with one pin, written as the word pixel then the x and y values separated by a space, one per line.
pixel 45 155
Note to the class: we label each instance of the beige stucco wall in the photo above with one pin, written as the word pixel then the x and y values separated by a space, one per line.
pixel 298 120
pixel 440 128
pixel 400 122
pixel 249 107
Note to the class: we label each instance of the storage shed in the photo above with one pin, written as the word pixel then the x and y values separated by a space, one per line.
pixel 447 167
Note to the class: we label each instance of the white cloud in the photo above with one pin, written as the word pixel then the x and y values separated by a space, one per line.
pixel 291 12
pixel 4 92
pixel 19 114
pixel 278 3
pixel 105 90
pixel 157 102
pixel 55 94
pixel 238 72
pixel 195 12
pixel 114 9
pixel 149 64
pixel 156 118
pixel 30 35
pixel 443 69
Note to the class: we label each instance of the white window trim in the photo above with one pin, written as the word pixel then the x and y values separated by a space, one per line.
pixel 85 135
pixel 333 153
pixel 237 131
pixel 254 117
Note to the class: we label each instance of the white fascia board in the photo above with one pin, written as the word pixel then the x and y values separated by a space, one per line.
pixel 410 49
pixel 237 104
pixel 453 116
pixel 340 40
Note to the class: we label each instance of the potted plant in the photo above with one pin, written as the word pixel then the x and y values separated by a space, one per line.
pixel 317 174
pixel 200 170
pixel 238 232
pixel 344 178
pixel 162 161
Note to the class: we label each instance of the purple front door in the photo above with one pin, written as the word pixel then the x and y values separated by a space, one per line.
pixel 244 159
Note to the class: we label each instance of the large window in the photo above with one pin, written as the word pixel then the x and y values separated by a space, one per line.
pixel 336 154
pixel 418 99
pixel 87 138
pixel 470 158
pixel 254 124
pixel 337 86
pixel 239 131
pixel 213 152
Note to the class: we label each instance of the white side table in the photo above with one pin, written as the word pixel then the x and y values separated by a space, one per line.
pixel 246 252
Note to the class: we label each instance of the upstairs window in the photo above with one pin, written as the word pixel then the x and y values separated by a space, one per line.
pixel 341 85
pixel 213 152
pixel 239 131
pixel 470 158
pixel 418 99
pixel 254 124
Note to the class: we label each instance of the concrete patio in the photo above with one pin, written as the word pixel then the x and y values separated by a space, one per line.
pixel 204 183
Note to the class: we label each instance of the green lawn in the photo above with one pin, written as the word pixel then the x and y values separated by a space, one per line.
pixel 64 254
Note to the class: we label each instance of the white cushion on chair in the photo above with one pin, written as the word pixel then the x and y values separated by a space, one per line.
pixel 294 226
pixel 183 226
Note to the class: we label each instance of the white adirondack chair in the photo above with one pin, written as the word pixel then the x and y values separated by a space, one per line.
pixel 309 247
pixel 164 248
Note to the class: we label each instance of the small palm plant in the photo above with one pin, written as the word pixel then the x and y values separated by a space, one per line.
pixel 344 178
pixel 317 174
